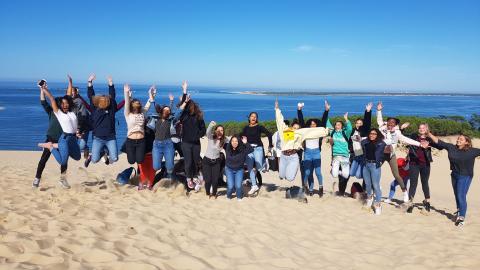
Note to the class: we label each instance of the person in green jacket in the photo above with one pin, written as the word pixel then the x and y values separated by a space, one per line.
pixel 340 152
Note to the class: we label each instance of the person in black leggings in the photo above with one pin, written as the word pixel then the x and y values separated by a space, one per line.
pixel 53 133
pixel 420 159
pixel 211 162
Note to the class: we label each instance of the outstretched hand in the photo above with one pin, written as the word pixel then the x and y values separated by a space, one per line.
pixel 244 139
pixel 276 104
pixel 345 116
pixel 327 106
pixel 213 123
pixel 184 87
pixel 70 80
pixel 110 80
pixel 300 105
pixel 404 125
pixel 424 144
pixel 152 92
pixel 369 106
pixel 379 106
pixel 171 97
pixel 126 90
pixel 92 77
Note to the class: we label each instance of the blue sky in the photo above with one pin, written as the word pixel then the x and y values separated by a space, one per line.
pixel 350 45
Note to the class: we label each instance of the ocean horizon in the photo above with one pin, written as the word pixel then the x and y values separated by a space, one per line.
pixel 26 122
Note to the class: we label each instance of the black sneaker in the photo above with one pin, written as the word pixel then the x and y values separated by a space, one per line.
pixel 426 204
pixel 106 159
pixel 410 208
pixel 87 161
pixel 86 153
pixel 459 222
pixel 310 193
pixel 36 183
pixel 320 192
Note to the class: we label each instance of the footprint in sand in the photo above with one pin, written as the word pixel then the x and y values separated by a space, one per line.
pixel 121 214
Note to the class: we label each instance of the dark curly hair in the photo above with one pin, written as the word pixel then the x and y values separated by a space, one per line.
pixel 69 100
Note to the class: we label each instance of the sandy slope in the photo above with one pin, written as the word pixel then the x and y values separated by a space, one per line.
pixel 97 225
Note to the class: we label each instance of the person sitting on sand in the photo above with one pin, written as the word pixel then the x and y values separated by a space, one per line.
pixel 392 134
pixel 67 145
pixel 291 138
pixel 462 161
pixel 54 132
pixel 211 163
pixel 373 157
pixel 255 160
pixel 236 152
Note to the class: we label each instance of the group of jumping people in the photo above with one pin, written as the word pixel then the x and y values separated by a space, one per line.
pixel 153 141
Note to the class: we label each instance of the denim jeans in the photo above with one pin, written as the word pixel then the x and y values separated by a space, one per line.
pixel 83 141
pixel 312 161
pixel 234 180
pixel 371 176
pixel 255 159
pixel 343 163
pixel 288 167
pixel 394 185
pixel 461 184
pixel 163 149
pixel 97 149
pixel 356 168
pixel 67 147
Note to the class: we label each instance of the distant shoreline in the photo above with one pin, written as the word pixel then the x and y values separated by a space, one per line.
pixel 308 93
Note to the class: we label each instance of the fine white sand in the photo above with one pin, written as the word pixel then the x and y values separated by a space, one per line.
pixel 98 225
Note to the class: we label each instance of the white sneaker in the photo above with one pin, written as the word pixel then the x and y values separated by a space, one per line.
pixel 387 200
pixel 36 183
pixel 211 189
pixel 197 187
pixel 405 197
pixel 378 210
pixel 369 202
pixel 253 190
pixel 196 181
pixel 64 183
pixel 239 200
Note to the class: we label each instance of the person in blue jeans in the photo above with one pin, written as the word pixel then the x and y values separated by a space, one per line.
pixel 163 145
pixel 103 121
pixel 312 151
pixel 373 148
pixel 67 145
pixel 236 152
pixel 462 161
pixel 255 160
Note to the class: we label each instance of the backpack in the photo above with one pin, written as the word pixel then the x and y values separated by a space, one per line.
pixel 124 177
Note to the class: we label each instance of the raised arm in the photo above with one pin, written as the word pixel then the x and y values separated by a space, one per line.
pixel 45 105
pixel 279 118
pixel 301 120
pixel 111 88
pixel 406 140
pixel 90 91
pixel 127 93
pixel 50 97
pixel 210 129
pixel 379 114
pixel 348 125
pixel 70 85
pixel 325 115
pixel 151 98
pixel 367 117
pixel 85 103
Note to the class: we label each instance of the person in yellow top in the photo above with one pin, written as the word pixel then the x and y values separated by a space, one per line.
pixel 291 138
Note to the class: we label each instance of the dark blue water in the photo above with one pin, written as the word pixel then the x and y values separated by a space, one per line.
pixel 24 123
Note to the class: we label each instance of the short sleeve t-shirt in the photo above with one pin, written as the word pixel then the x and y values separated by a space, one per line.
pixel 68 121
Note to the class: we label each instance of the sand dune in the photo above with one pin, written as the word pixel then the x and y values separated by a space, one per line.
pixel 99 225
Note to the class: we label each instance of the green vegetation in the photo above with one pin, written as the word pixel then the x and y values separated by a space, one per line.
pixel 441 126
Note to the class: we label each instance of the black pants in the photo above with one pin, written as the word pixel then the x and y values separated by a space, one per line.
pixel 178 148
pixel 414 171
pixel 191 155
pixel 211 173
pixel 43 160
pixel 135 150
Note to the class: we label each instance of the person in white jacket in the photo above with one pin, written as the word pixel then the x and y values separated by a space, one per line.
pixel 393 136
pixel 291 141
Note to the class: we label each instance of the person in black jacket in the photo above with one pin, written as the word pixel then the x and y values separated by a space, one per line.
pixel 236 152
pixel 193 128
pixel 255 160
pixel 420 159
pixel 311 160
pixel 53 134
pixel 373 158
pixel 360 132
pixel 103 121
